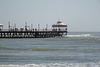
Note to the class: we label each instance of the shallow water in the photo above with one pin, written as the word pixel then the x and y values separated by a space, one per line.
pixel 77 49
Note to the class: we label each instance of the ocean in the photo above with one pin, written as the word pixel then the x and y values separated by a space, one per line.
pixel 77 49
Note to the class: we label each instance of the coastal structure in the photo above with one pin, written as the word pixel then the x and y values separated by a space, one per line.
pixel 58 29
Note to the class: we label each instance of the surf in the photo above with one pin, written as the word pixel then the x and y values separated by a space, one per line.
pixel 55 65
pixel 81 35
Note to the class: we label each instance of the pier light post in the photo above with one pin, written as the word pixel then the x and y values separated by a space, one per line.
pixel 15 26
pixel 46 27
pixel 9 26
pixel 25 26
pixel 38 27
pixel 31 26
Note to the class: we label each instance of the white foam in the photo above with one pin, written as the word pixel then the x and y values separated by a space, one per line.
pixel 56 65
pixel 82 35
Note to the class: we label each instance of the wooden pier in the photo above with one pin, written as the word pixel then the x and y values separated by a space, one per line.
pixel 58 29
pixel 31 34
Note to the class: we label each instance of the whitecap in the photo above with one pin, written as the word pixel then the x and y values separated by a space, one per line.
pixel 81 35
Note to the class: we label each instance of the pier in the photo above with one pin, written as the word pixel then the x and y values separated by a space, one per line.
pixel 58 29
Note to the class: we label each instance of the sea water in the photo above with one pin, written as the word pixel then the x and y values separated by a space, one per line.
pixel 77 49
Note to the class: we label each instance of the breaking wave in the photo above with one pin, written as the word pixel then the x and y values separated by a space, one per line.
pixel 82 35
pixel 56 65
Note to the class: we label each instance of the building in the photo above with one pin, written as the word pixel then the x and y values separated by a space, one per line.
pixel 59 26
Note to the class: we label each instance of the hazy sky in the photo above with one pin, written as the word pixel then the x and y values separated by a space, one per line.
pixel 79 15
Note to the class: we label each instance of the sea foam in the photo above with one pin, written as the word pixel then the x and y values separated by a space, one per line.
pixel 56 65
pixel 81 35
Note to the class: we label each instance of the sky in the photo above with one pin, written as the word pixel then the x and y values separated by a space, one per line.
pixel 79 15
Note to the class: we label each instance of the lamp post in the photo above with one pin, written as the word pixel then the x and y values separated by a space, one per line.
pixel 38 27
pixel 31 26
pixel 46 27
pixel 9 26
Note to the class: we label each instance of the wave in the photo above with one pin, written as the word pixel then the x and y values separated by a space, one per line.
pixel 81 35
pixel 85 36
pixel 92 64
pixel 31 49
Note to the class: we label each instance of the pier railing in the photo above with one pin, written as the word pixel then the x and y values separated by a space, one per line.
pixel 33 29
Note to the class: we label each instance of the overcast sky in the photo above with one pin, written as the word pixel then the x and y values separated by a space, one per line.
pixel 79 15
